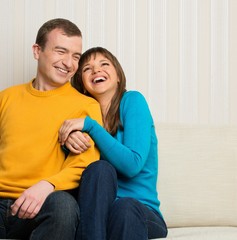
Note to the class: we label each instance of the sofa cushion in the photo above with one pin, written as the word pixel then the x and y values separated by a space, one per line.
pixel 202 233
pixel 197 182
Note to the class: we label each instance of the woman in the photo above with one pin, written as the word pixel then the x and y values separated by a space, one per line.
pixel 118 197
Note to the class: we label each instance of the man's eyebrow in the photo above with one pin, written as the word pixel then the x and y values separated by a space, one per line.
pixel 62 48
pixel 66 50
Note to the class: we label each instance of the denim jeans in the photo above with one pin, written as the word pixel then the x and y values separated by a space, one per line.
pixel 58 219
pixel 103 217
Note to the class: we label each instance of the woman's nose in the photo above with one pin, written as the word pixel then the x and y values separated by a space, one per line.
pixel 96 69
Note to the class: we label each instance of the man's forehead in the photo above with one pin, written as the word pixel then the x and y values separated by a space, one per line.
pixel 58 37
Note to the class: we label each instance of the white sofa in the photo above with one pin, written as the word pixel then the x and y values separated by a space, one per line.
pixel 197 182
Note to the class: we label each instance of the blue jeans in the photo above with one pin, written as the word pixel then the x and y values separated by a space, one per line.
pixel 105 218
pixel 58 219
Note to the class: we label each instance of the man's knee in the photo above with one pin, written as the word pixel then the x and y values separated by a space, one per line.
pixel 61 205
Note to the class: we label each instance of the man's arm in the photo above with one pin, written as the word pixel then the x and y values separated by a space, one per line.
pixel 31 200
pixel 74 164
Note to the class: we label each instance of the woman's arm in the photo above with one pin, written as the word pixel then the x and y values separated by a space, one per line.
pixel 78 142
pixel 128 151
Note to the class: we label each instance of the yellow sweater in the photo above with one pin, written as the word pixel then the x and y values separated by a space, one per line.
pixel 29 148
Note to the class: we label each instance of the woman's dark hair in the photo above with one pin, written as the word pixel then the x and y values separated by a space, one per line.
pixel 112 118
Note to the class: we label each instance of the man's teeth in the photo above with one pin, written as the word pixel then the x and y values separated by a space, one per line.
pixel 62 70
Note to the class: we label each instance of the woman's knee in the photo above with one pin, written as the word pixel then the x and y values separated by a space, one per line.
pixel 101 165
pixel 100 168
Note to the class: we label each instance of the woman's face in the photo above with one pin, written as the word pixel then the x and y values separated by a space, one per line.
pixel 99 77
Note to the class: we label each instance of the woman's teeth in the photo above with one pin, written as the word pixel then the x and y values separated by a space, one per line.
pixel 99 79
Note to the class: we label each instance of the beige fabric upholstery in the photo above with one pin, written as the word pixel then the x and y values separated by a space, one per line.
pixel 198 176
pixel 202 233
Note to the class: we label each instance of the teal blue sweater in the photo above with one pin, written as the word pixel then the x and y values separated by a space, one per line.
pixel 132 151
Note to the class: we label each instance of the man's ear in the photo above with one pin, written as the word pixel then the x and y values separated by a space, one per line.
pixel 36 50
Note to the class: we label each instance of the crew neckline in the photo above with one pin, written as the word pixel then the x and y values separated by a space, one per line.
pixel 47 93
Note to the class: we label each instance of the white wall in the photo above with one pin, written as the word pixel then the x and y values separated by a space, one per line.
pixel 181 54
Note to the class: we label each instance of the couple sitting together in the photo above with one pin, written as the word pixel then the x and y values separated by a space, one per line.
pixel 78 153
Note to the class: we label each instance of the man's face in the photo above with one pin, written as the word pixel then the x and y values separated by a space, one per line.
pixel 58 61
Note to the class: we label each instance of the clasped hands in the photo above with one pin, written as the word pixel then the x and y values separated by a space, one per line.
pixel 70 135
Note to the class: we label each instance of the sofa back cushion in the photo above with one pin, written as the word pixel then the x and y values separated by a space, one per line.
pixel 197 181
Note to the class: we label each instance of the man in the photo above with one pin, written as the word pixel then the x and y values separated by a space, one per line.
pixel 33 170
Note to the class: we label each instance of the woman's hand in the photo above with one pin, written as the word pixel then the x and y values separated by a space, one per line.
pixel 69 126
pixel 70 135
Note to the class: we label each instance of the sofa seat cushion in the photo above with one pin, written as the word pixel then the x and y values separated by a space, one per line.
pixel 202 233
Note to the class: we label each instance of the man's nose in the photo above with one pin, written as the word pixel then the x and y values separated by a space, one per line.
pixel 67 61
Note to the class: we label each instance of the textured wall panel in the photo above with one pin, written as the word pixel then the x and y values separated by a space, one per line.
pixel 157 68
pixel 181 54
pixel 188 62
pixel 219 109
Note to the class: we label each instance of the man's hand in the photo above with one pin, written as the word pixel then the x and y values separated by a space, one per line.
pixel 31 200
pixel 78 142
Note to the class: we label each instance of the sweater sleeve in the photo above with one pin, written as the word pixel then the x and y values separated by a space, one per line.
pixel 128 153
pixel 75 164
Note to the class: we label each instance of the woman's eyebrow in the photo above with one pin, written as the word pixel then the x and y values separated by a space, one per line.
pixel 104 60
